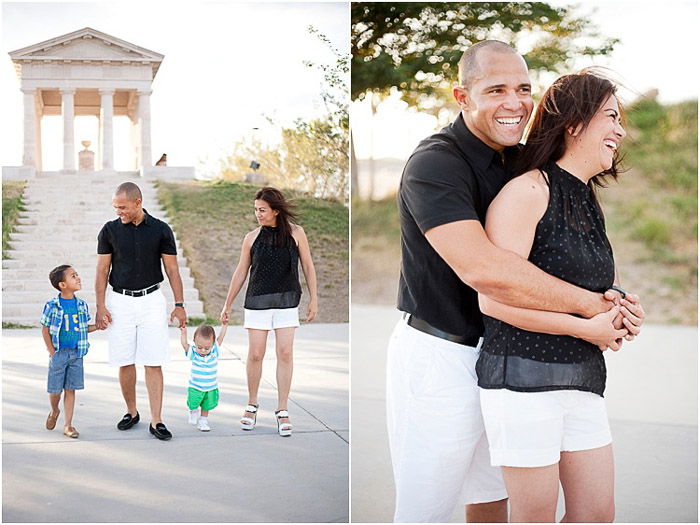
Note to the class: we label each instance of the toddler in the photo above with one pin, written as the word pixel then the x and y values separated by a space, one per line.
pixel 203 391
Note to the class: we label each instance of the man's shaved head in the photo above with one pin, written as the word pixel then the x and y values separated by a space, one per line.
pixel 130 190
pixel 469 65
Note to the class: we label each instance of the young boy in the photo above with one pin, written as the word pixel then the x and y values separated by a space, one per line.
pixel 65 332
pixel 203 391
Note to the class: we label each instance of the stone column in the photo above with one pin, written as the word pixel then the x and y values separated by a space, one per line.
pixel 107 128
pixel 145 160
pixel 68 111
pixel 29 157
pixel 133 142
pixel 38 112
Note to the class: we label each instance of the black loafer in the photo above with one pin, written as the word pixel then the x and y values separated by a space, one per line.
pixel 160 431
pixel 128 421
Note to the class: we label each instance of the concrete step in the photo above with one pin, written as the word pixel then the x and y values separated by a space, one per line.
pixel 19 276
pixel 50 207
pixel 78 240
pixel 30 278
pixel 34 297
pixel 12 289
pixel 94 216
pixel 31 314
pixel 44 261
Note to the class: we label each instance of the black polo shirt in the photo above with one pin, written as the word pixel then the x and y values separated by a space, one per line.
pixel 136 251
pixel 451 176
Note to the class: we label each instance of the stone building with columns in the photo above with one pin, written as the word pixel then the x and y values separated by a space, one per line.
pixel 88 72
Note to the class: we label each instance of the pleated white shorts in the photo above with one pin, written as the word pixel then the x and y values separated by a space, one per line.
pixel 138 333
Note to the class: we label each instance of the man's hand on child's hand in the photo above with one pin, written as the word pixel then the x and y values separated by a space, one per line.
pixel 103 318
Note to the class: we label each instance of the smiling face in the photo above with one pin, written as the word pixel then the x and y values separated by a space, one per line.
pixel 600 140
pixel 203 344
pixel 71 281
pixel 128 210
pixel 265 215
pixel 498 104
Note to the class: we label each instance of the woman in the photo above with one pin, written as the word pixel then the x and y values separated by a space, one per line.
pixel 542 390
pixel 272 253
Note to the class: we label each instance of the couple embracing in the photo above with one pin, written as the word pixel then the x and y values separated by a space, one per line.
pixel 495 373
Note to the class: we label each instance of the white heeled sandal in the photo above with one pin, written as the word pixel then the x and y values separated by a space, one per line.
pixel 284 429
pixel 248 423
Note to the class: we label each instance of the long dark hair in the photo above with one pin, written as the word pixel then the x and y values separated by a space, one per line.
pixel 286 215
pixel 570 102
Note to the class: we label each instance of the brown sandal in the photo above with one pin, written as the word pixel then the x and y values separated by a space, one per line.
pixel 51 420
pixel 71 432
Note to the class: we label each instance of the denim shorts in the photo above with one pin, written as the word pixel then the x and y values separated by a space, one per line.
pixel 65 371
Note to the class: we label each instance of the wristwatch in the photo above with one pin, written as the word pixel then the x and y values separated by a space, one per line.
pixel 619 290
pixel 182 305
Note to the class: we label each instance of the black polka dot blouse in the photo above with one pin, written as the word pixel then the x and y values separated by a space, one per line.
pixel 570 243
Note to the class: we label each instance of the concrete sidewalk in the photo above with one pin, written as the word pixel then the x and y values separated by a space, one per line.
pixel 226 475
pixel 652 401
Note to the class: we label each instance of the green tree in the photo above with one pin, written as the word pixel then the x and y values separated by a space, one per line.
pixel 313 153
pixel 415 47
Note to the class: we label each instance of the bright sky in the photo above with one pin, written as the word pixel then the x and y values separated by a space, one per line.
pixel 658 49
pixel 226 65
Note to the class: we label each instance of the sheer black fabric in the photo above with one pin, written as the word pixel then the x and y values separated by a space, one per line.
pixel 570 243
pixel 274 272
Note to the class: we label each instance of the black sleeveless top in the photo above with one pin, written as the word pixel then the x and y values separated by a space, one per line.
pixel 274 272
pixel 570 243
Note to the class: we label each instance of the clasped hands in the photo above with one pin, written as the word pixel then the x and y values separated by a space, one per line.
pixel 628 318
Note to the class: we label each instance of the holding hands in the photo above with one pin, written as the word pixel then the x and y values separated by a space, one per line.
pixel 103 318
pixel 628 318
pixel 179 314
pixel 183 338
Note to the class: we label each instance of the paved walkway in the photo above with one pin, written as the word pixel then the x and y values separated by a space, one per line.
pixel 652 400
pixel 226 475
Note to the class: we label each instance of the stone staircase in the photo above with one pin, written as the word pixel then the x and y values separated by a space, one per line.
pixel 64 214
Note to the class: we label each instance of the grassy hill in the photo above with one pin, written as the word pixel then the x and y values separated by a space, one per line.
pixel 210 220
pixel 11 206
pixel 651 215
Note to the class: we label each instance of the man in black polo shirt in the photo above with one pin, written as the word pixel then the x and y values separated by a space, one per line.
pixel 130 249
pixel 436 433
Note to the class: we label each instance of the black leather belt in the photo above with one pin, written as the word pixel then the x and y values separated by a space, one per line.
pixel 424 327
pixel 136 293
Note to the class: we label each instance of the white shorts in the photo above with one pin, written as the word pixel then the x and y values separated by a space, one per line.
pixel 271 318
pixel 138 333
pixel 530 429
pixel 438 445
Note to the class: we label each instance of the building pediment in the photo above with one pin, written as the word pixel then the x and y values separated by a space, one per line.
pixel 86 46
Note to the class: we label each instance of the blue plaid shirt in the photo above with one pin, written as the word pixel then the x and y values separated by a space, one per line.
pixel 53 318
